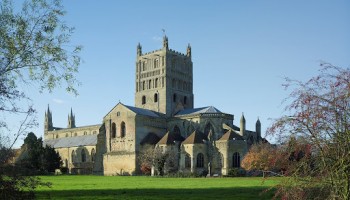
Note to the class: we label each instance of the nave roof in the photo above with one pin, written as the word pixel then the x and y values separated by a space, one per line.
pixel 84 140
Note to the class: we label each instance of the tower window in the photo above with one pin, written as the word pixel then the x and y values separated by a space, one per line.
pixel 173 63
pixel 122 129
pixel 185 100
pixel 174 97
pixel 155 97
pixel 156 62
pixel 143 100
pixel 143 85
pixel 156 83
pixel 149 84
pixel 174 83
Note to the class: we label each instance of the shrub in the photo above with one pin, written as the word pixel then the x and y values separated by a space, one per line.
pixel 236 172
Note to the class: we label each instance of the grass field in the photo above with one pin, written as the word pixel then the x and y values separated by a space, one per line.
pixel 138 187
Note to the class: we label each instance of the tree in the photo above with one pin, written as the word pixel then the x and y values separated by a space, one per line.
pixel 262 157
pixel 162 161
pixel 35 50
pixel 318 111
pixel 51 160
pixel 38 159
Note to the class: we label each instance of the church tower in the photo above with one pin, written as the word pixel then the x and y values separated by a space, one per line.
pixel 71 119
pixel 164 80
pixel 48 126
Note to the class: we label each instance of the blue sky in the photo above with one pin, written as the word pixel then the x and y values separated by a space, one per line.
pixel 241 50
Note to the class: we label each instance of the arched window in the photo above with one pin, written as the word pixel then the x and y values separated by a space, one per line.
pixel 85 133
pixel 57 136
pixel 93 155
pixel 143 85
pixel 236 160
pixel 143 100
pixel 173 63
pixel 200 160
pixel 173 83
pixel 187 161
pixel 143 66
pixel 176 130
pixel 179 85
pixel 174 98
pixel 156 97
pixel 114 130
pixel 149 84
pixel 66 134
pixel 156 83
pixel 185 100
pixel 83 155
pixel 155 63
pixel 208 128
pixel 66 162
pixel 122 129
pixel 73 156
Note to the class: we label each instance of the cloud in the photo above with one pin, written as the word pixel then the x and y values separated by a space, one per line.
pixel 58 101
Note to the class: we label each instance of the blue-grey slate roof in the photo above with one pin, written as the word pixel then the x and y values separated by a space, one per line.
pixel 194 111
pixel 141 111
pixel 84 140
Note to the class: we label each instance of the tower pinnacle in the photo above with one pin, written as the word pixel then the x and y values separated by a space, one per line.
pixel 139 49
pixel 165 42
pixel 189 51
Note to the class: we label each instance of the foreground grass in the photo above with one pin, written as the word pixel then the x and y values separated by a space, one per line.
pixel 138 187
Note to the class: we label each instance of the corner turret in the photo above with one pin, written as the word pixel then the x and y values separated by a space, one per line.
pixel 48 126
pixel 165 43
pixel 242 125
pixel 258 128
pixel 189 51
pixel 71 119
pixel 139 50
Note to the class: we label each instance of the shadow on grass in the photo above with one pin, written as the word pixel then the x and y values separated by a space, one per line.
pixel 209 193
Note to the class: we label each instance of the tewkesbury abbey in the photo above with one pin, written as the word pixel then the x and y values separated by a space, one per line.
pixel 202 139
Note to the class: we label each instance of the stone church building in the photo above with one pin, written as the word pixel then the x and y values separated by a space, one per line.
pixel 202 139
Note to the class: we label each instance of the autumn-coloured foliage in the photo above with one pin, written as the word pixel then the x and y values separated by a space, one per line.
pixel 260 157
pixel 318 111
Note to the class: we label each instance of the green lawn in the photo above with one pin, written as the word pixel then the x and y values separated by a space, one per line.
pixel 138 187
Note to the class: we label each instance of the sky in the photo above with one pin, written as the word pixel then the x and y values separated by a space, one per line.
pixel 241 50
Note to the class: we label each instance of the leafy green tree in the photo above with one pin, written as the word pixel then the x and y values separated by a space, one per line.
pixel 51 159
pixel 318 111
pixel 35 51
pixel 39 159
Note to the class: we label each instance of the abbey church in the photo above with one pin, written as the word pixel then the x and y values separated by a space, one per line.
pixel 164 118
